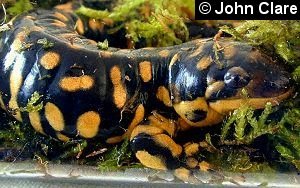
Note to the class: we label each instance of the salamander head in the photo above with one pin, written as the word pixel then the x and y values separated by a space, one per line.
pixel 207 84
pixel 246 69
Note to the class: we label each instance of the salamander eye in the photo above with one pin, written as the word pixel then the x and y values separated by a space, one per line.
pixel 236 77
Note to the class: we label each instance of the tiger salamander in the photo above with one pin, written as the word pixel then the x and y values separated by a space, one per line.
pixel 146 95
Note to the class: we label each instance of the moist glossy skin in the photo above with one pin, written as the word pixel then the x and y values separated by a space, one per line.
pixel 91 93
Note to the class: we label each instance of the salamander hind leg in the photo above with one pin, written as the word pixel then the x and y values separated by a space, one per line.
pixel 154 146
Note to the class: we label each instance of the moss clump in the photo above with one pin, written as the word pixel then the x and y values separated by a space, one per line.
pixel 243 119
pixel 287 138
pixel 46 44
pixel 158 23
pixel 19 7
pixel 283 36
pixel 13 136
pixel 103 45
pixel 284 135
pixel 76 149
pixel 16 7
pixel 34 104
pixel 117 158
pixel 237 159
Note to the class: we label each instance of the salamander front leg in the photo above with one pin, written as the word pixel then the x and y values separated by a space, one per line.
pixel 155 148
pixel 153 144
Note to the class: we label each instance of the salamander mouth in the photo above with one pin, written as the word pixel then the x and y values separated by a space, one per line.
pixel 227 105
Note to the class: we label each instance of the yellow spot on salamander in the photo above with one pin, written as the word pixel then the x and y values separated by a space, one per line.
pixel 35 121
pixel 88 124
pixel 204 63
pixel 191 162
pixel 145 68
pixel 38 28
pixel 50 60
pixel 67 36
pixel 67 7
pixel 173 60
pixel 198 51
pixel 105 54
pixel 15 81
pixel 168 125
pixel 167 142
pixel 2 105
pixel 61 17
pixel 91 42
pixel 183 125
pixel 54 116
pixel 62 137
pixel 114 140
pixel 73 84
pixel 151 161
pixel 163 95
pixel 149 48
pixel 185 107
pixel 19 39
pixel 119 93
pixel 164 53
pixel 149 130
pixel 205 166
pixel 30 17
pixel 138 117
pixel 79 27
pixel 229 52
pixel 96 25
pixel 58 23
pixel 191 149
pixel 255 56
pixel 214 88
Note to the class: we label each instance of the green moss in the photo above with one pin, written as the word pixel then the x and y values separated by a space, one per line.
pixel 158 23
pixel 162 29
pixel 287 138
pixel 117 158
pixel 235 159
pixel 19 7
pixel 46 44
pixel 24 46
pixel 279 36
pixel 284 135
pixel 92 13
pixel 34 104
pixel 296 74
pixel 14 136
pixel 103 45
pixel 243 119
pixel 75 149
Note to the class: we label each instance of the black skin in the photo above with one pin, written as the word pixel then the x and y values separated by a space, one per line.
pixel 242 66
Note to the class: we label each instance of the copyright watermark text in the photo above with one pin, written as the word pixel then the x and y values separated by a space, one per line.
pixel 251 9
